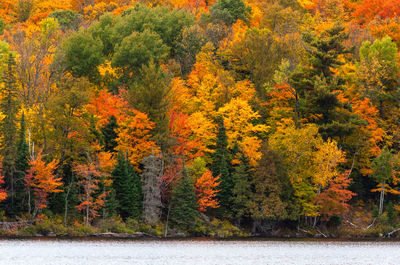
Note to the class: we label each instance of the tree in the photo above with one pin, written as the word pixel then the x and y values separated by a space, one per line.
pixel 183 203
pixel 221 167
pixel 265 200
pixel 81 54
pixel 67 19
pixel 42 180
pixel 229 11
pixel 150 94
pixel 334 199
pixel 93 198
pixel 128 189
pixel 110 134
pixel 9 106
pixel 241 191
pixel 3 192
pixel 137 50
pixel 310 162
pixel 206 189
pixel 317 85
pixel 151 179
pixel 378 70
pixel 21 166
pixel 242 128
pixel 384 167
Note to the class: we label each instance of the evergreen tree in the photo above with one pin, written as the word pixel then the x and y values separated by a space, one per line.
pixel 128 189
pixel 242 188
pixel 221 167
pixel 109 135
pixel 316 84
pixel 8 130
pixel 184 208
pixel 21 167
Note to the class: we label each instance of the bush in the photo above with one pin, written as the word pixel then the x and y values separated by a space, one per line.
pixel 375 212
pixel 113 225
pixel 390 213
pixel 335 221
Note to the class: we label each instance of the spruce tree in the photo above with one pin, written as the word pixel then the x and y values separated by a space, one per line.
pixel 9 107
pixel 21 167
pixel 242 188
pixel 109 135
pixel 221 167
pixel 183 203
pixel 128 189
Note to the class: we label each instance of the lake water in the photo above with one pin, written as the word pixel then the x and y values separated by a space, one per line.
pixel 110 252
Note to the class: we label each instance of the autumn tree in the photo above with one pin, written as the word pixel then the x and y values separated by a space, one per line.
pixel 206 186
pixel 92 199
pixel 265 201
pixel 334 200
pixel 310 162
pixel 384 170
pixel 42 180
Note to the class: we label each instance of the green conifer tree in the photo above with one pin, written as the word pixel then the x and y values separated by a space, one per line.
pixel 221 161
pixel 183 203
pixel 21 167
pixel 128 189
pixel 316 84
pixel 9 107
pixel 109 135
pixel 242 189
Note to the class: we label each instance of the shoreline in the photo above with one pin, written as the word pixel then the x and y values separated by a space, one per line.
pixel 122 237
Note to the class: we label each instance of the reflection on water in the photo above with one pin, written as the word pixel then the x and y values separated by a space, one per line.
pixel 66 252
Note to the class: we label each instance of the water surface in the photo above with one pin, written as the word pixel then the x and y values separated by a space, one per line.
pixel 188 252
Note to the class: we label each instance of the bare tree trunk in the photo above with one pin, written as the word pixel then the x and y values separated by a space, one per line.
pixel 382 197
pixel 166 224
pixel 66 203
pixel 87 202
pixel 316 217
pixel 29 201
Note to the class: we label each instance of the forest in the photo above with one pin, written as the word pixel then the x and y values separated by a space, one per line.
pixel 215 118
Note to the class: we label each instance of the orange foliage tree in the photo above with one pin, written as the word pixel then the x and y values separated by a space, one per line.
pixel 206 191
pixel 3 192
pixel 134 127
pixel 42 180
pixel 91 175
pixel 334 199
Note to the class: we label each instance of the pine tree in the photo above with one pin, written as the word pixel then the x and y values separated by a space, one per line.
pixel 109 135
pixel 128 189
pixel 9 107
pixel 221 167
pixel 184 208
pixel 316 84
